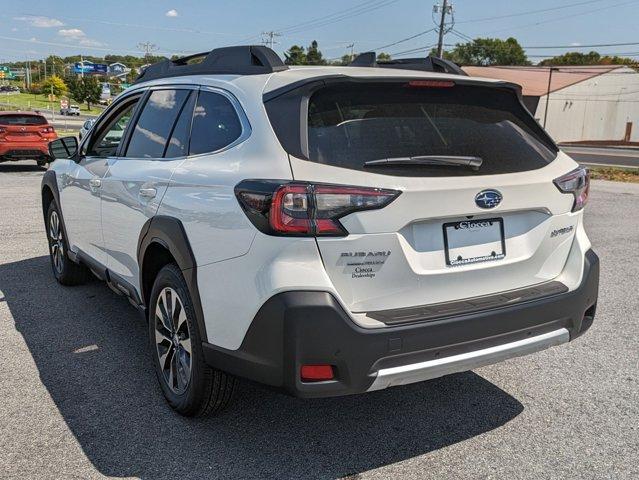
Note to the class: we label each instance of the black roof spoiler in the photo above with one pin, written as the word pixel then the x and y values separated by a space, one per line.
pixel 426 64
pixel 242 60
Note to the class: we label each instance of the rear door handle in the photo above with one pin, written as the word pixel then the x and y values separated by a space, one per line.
pixel 148 192
pixel 95 183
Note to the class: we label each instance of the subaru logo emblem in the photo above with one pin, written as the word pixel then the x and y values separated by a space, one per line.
pixel 488 199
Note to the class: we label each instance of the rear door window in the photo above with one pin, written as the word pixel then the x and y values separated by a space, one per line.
pixel 215 123
pixel 349 125
pixel 155 123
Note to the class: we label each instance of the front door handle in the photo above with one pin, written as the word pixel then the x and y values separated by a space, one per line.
pixel 95 183
pixel 148 192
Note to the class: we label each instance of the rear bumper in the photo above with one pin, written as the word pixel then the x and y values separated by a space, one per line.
pixel 300 327
pixel 16 151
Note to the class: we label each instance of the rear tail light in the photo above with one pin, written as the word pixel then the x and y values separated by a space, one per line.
pixel 47 130
pixel 3 130
pixel 316 373
pixel 576 182
pixel 306 209
pixel 431 83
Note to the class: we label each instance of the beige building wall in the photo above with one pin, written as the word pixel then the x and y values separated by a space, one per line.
pixel 595 109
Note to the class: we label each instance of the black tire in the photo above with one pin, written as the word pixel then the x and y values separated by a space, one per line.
pixel 206 390
pixel 65 271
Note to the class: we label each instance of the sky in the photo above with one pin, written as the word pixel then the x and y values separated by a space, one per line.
pixel 37 28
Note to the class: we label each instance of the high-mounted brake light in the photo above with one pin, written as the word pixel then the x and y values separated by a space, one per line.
pixel 576 182
pixel 306 209
pixel 431 83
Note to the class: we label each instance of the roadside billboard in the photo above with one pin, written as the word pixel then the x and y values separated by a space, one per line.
pixel 90 68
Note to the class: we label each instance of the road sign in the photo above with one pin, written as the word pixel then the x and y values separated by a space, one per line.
pixel 64 103
pixel 5 72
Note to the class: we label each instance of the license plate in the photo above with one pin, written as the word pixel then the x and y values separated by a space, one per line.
pixel 473 241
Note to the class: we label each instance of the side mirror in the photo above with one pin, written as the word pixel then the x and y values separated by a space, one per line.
pixel 65 147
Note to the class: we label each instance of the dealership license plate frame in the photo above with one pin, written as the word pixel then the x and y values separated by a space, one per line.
pixel 488 257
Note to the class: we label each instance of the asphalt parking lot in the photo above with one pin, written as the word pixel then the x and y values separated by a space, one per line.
pixel 79 399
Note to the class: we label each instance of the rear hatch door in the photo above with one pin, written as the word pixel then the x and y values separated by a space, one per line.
pixel 458 229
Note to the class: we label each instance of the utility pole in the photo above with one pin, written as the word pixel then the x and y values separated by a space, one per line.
pixel 81 67
pixel 446 9
pixel 268 38
pixel 148 48
pixel 548 95
pixel 352 47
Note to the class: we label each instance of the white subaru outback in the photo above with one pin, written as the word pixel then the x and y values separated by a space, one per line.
pixel 324 230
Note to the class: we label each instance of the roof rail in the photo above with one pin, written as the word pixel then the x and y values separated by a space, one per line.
pixel 426 64
pixel 241 60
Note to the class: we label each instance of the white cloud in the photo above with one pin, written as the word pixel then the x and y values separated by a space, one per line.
pixel 171 13
pixel 33 39
pixel 575 44
pixel 77 35
pixel 40 22
pixel 72 33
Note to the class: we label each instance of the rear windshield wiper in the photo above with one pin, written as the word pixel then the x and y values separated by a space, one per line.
pixel 428 160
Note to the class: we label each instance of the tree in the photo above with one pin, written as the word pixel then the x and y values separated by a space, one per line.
pixel 132 75
pixel 53 84
pixel 488 51
pixel 92 91
pixel 313 55
pixel 590 58
pixel 383 57
pixel 85 89
pixel 295 56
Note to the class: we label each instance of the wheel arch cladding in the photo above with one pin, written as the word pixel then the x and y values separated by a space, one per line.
pixel 163 240
pixel 49 191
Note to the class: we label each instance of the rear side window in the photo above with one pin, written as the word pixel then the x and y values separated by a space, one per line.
pixel 349 125
pixel 22 120
pixel 155 124
pixel 215 124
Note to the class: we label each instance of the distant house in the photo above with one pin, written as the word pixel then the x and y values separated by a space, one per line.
pixel 597 103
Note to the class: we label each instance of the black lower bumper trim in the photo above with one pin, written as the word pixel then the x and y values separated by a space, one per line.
pixel 300 327
pixel 400 316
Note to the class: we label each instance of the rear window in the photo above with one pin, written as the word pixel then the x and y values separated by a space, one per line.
pixel 22 120
pixel 215 124
pixel 351 124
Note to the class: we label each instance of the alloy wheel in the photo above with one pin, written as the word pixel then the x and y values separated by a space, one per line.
pixel 57 241
pixel 173 340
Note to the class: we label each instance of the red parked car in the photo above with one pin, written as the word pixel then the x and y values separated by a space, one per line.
pixel 25 136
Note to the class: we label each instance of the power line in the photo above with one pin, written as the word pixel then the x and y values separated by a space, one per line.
pixel 329 16
pixel 404 39
pixel 338 17
pixel 413 50
pixel 130 25
pixel 356 10
pixel 529 12
pixel 559 19
pixel 583 46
